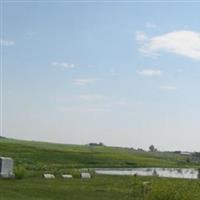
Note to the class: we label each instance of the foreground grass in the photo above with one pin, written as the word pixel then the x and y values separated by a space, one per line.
pixel 100 188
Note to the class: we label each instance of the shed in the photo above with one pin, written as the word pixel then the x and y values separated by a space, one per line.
pixel 6 167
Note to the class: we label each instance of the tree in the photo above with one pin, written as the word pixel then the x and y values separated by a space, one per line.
pixel 152 148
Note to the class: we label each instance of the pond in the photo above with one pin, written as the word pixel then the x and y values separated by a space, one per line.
pixel 161 172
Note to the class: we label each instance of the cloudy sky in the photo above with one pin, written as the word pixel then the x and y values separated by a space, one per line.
pixel 121 73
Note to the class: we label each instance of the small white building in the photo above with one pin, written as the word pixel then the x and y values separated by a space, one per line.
pixel 6 167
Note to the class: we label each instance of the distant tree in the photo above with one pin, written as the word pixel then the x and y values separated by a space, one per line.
pixel 96 144
pixel 92 144
pixel 177 152
pixel 140 149
pixel 198 173
pixel 188 159
pixel 152 148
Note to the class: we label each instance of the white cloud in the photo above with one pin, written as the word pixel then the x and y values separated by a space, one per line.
pixel 127 103
pixel 63 64
pixel 6 42
pixel 84 81
pixel 98 103
pixel 121 103
pixel 150 25
pixel 140 36
pixel 113 72
pixel 185 43
pixel 168 87
pixel 149 72
pixel 89 97
pixel 84 109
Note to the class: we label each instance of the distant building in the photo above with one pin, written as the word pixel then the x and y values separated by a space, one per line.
pixel 96 144
pixel 186 153
pixel 6 167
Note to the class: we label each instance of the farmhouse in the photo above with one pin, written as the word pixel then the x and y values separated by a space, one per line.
pixel 6 167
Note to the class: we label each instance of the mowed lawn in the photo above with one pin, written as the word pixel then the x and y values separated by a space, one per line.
pixel 100 188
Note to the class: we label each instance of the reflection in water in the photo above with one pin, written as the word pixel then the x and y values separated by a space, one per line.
pixel 162 172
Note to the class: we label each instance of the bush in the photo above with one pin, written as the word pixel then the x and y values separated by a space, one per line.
pixel 75 173
pixel 20 172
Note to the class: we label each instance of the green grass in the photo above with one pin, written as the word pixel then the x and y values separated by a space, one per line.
pixel 36 158
pixel 100 188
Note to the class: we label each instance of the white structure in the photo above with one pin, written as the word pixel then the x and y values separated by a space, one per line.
pixel 49 176
pixel 85 175
pixel 6 167
pixel 66 176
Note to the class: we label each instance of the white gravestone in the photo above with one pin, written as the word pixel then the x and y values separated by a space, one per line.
pixel 6 167
pixel 85 175
pixel 66 176
pixel 49 176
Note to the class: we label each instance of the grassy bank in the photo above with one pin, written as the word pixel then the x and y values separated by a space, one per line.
pixel 38 156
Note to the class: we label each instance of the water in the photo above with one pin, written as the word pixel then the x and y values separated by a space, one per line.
pixel 161 172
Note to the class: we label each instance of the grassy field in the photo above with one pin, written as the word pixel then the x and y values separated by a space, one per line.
pixel 100 188
pixel 36 158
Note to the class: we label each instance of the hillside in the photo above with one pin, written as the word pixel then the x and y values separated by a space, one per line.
pixel 41 156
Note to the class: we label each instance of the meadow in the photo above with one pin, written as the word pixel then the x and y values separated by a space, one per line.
pixel 32 159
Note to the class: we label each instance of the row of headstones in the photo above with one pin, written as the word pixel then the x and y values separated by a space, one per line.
pixel 83 175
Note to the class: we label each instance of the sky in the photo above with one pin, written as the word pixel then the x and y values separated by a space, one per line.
pixel 122 73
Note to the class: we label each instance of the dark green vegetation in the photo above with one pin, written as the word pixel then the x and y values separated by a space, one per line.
pixel 32 159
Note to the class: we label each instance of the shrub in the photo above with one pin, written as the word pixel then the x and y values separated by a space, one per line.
pixel 75 173
pixel 20 172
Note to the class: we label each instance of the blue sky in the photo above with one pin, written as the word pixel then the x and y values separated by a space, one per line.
pixel 121 73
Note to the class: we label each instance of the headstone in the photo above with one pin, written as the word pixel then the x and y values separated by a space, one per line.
pixel 6 167
pixel 85 175
pixel 49 176
pixel 66 176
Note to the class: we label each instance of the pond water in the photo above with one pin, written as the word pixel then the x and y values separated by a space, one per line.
pixel 161 172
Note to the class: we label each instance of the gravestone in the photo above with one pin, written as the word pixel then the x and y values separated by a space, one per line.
pixel 85 175
pixel 66 176
pixel 6 167
pixel 49 176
